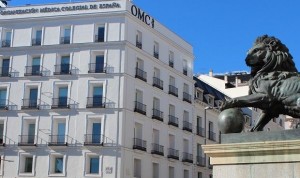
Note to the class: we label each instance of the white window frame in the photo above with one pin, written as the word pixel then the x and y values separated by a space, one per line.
pixel 22 163
pixel 86 165
pixel 50 166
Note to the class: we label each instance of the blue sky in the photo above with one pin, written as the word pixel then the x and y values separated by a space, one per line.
pixel 222 31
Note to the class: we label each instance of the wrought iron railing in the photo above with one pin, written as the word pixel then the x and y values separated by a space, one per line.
pixel 187 126
pixel 172 153
pixel 99 38
pixel 187 157
pixel 139 144
pixel 96 68
pixel 187 97
pixel 158 83
pixel 27 140
pixel 157 149
pixel 95 102
pixel 6 43
pixel 65 40
pixel 139 44
pixel 36 42
pixel 140 74
pixel 173 90
pixel 158 115
pixel 140 108
pixel 173 121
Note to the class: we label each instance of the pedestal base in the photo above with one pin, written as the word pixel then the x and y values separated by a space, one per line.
pixel 256 155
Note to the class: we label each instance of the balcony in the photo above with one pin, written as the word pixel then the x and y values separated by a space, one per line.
pixel 139 44
pixel 99 38
pixel 96 68
pixel 171 63
pixel 156 55
pixel 4 104
pixel 140 108
pixel 157 149
pixel 200 131
pixel 187 126
pixel 174 154
pixel 6 43
pixel 33 70
pixel 173 90
pixel 95 102
pixel 27 140
pixel 158 83
pixel 30 104
pixel 5 71
pixel 212 136
pixel 140 74
pixel 184 71
pixel 65 40
pixel 187 97
pixel 93 140
pixel 36 42
pixel 201 161
pixel 173 121
pixel 187 157
pixel 58 140
pixel 60 103
pixel 139 144
pixel 63 69
pixel 158 115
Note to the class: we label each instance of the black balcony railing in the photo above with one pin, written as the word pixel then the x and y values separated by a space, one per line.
pixel 36 42
pixel 27 140
pixel 139 144
pixel 201 161
pixel 184 71
pixel 4 104
pixel 211 136
pixel 173 90
pixel 158 83
pixel 187 97
pixel 172 153
pixel 171 63
pixel 139 44
pixel 200 131
pixel 158 115
pixel 95 102
pixel 99 38
pixel 187 126
pixel 156 54
pixel 58 140
pixel 33 70
pixel 5 72
pixel 97 68
pixel 63 69
pixel 157 149
pixel 65 40
pixel 173 121
pixel 93 140
pixel 60 103
pixel 30 104
pixel 6 43
pixel 140 74
pixel 140 108
pixel 187 157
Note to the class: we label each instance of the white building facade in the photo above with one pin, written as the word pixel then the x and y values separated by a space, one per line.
pixel 94 89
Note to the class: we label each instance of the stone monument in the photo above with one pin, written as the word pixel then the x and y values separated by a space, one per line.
pixel 275 89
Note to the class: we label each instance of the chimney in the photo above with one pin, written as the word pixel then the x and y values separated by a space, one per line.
pixel 210 73
pixel 226 78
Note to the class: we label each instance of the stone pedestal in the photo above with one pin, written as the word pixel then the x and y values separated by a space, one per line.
pixel 256 155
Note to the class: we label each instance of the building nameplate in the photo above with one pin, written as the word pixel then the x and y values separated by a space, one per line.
pixel 61 9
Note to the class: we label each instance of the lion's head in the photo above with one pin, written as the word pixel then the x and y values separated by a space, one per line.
pixel 269 54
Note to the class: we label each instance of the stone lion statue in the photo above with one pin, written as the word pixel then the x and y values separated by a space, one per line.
pixel 275 83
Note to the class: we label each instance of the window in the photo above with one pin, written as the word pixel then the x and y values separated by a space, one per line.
pixel 155 170
pixel 156 103
pixel 171 172
pixel 137 168
pixel 34 68
pixel 140 73
pixel 199 174
pixel 185 67
pixel 100 33
pixel 92 164
pixel 28 132
pixel 57 164
pixel 139 106
pixel 93 133
pixel 26 164
pixel 3 98
pixel 2 138
pixel 156 50
pixel 5 69
pixel 186 88
pixel 58 136
pixel 30 100
pixel 65 35
pixel 37 37
pixel 95 98
pixel 63 97
pixel 171 59
pixel 171 110
pixel 97 65
pixel 7 35
pixel 139 40
pixel 186 174
pixel 157 82
pixel 199 94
